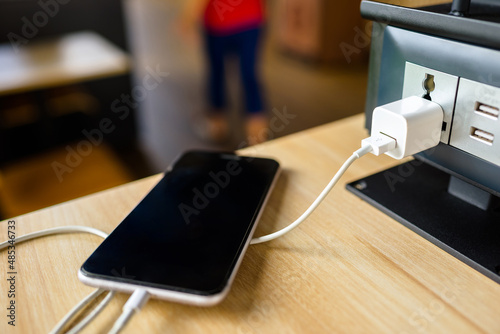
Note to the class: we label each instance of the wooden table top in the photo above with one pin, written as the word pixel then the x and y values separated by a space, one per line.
pixel 348 269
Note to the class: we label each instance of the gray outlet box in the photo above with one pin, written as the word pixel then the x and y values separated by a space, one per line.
pixel 449 194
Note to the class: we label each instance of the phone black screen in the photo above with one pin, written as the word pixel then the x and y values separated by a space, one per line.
pixel 189 231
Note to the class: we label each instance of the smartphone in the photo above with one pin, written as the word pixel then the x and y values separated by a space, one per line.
pixel 186 239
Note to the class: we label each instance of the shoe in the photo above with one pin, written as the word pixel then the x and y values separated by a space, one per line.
pixel 257 129
pixel 213 128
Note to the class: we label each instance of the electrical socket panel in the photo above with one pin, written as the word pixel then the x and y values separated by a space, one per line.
pixel 441 88
pixel 471 109
pixel 476 127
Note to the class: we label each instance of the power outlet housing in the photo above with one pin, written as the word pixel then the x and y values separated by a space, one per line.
pixel 450 194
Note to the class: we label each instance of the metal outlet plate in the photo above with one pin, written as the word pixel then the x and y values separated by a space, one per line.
pixel 444 92
pixel 466 118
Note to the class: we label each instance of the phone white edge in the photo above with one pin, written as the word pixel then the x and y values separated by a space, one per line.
pixel 178 296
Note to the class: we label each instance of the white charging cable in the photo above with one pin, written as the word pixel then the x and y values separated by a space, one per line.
pixel 85 301
pixel 59 328
pixel 133 305
pixel 399 129
pixel 356 155
pixel 381 144
pixel 53 231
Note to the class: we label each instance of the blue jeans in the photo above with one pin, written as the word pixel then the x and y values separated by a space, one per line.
pixel 244 45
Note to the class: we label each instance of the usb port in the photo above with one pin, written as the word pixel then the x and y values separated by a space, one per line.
pixel 486 110
pixel 482 136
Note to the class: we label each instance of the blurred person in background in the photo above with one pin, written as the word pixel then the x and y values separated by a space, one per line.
pixel 229 27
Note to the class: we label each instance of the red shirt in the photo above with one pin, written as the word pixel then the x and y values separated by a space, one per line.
pixel 223 17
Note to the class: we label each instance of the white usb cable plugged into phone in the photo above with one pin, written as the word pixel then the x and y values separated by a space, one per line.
pixel 133 305
pixel 399 129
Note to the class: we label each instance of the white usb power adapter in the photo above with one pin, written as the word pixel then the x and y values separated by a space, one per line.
pixel 414 123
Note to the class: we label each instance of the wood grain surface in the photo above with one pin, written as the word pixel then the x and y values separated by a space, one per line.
pixel 348 269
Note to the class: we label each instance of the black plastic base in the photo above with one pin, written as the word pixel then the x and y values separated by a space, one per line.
pixel 415 194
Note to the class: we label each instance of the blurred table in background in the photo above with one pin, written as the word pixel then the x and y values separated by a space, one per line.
pixel 69 59
pixel 51 89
